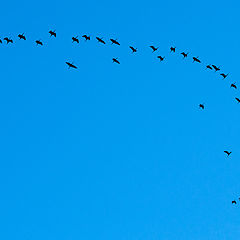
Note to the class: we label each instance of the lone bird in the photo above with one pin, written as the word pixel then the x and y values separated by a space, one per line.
pixel 115 60
pixel 238 100
pixel 86 37
pixel 172 49
pixel 209 67
pixel 228 153
pixel 133 49
pixel 234 202
pixel 100 40
pixel 195 59
pixel 8 40
pixel 70 65
pixel 216 68
pixel 75 39
pixel 38 42
pixel 224 75
pixel 114 41
pixel 53 33
pixel 154 48
pixel 201 105
pixel 184 54
pixel 160 58
pixel 233 85
pixel 21 36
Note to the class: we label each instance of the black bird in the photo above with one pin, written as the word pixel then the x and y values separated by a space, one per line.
pixel 184 54
pixel 172 49
pixel 115 61
pixel 233 85
pixel 133 49
pixel 209 67
pixel 114 41
pixel 100 40
pixel 70 65
pixel 160 58
pixel 201 105
pixel 224 75
pixel 53 33
pixel 238 100
pixel 228 153
pixel 216 68
pixel 86 37
pixel 8 40
pixel 234 202
pixel 0 41
pixel 38 42
pixel 154 48
pixel 21 36
pixel 75 39
pixel 195 59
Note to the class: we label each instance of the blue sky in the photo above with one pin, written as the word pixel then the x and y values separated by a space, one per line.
pixel 113 151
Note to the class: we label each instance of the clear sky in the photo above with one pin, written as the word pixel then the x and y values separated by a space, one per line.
pixel 112 151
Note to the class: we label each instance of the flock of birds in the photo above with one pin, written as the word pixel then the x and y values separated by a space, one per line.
pixel 134 50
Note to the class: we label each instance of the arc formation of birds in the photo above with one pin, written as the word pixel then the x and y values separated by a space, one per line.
pixel 134 50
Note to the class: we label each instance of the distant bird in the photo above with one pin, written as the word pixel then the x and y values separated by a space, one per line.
pixel 100 40
pixel 114 41
pixel 238 100
pixel 133 49
pixel 0 41
pixel 53 33
pixel 70 65
pixel 201 105
pixel 86 37
pixel 184 54
pixel 228 153
pixel 160 58
pixel 75 39
pixel 172 49
pixel 216 68
pixel 115 60
pixel 21 36
pixel 154 48
pixel 8 40
pixel 233 85
pixel 195 59
pixel 224 75
pixel 38 42
pixel 234 202
pixel 209 67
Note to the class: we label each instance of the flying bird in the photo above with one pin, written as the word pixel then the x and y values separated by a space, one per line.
pixel 133 49
pixel 38 42
pixel 86 37
pixel 0 41
pixel 71 65
pixel 160 58
pixel 201 105
pixel 238 100
pixel 209 67
pixel 234 202
pixel 184 54
pixel 154 48
pixel 224 75
pixel 228 153
pixel 195 59
pixel 216 68
pixel 233 85
pixel 115 60
pixel 100 40
pixel 114 41
pixel 172 49
pixel 21 36
pixel 75 39
pixel 8 40
pixel 53 33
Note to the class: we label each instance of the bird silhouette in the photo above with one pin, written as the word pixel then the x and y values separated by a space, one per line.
pixel 209 67
pixel 172 49
pixel 195 59
pixel 160 58
pixel 184 54
pixel 228 153
pixel 154 48
pixel 216 68
pixel 75 39
pixel 201 105
pixel 133 49
pixel 114 41
pixel 234 202
pixel 71 65
pixel 238 100
pixel 52 33
pixel 115 60
pixel 0 41
pixel 8 40
pixel 86 37
pixel 21 36
pixel 100 40
pixel 224 75
pixel 233 85
pixel 38 42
